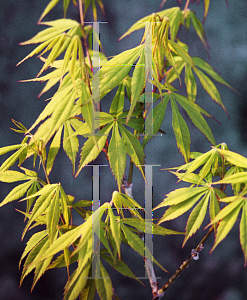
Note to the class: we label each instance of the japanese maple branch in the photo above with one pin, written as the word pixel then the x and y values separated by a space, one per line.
pixel 186 5
pixel 184 265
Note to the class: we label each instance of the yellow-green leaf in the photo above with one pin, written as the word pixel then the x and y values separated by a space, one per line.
pixel 54 147
pixel 117 155
pixel 17 192
pixel 196 217
pixel 243 231
pixel 70 144
pixel 115 229
pixel 210 88
pixel 116 69
pixel 133 148
pixel 90 151
pixel 53 214
pixel 181 131
pixel 137 82
pixel 190 83
pixel 104 284
pixel 234 158
pixel 227 222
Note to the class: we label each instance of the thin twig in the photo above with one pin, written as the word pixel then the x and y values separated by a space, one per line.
pixel 184 265
pixel 186 5
pixel 81 13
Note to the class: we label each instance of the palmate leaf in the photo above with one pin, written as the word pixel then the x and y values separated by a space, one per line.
pixel 157 116
pixel 13 176
pixel 90 150
pixel 41 267
pixel 173 74
pixel 88 293
pixel 33 241
pixel 141 23
pixel 196 163
pixel 200 63
pixel 117 155
pixel 240 177
pixel 182 194
pixel 133 148
pixel 117 104
pixel 104 284
pixel 191 177
pixel 70 143
pixel 227 217
pixel 140 225
pixel 60 115
pixel 195 115
pixel 115 229
pixel 190 83
pixel 83 231
pixel 137 82
pixel 243 231
pixel 120 266
pixel 234 158
pixel 175 47
pixel 198 28
pixel 17 192
pixel 34 253
pixel 53 38
pixel 13 158
pixel 137 244
pixel 196 217
pixel 62 93
pixel 115 70
pixel 53 216
pixel 180 200
pixel 181 131
pixel 40 207
pixel 76 284
pixel 210 88
pixel 54 147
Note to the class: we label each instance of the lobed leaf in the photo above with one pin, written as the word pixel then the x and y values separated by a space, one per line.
pixel 243 231
pixel 17 192
pixel 104 284
pixel 117 155
pixel 234 158
pixel 195 115
pixel 157 116
pixel 115 229
pixel 181 131
pixel 190 83
pixel 90 151
pixel 133 148
pixel 229 218
pixel 181 195
pixel 70 143
pixel 196 217
pixel 54 147
pixel 210 88
pixel 137 82
pixel 115 70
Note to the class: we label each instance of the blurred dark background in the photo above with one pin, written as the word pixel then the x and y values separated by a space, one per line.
pixel 218 276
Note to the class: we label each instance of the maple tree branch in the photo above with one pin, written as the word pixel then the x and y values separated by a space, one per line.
pixel 194 256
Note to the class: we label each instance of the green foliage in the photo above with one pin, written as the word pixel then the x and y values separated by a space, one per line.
pixel 71 113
